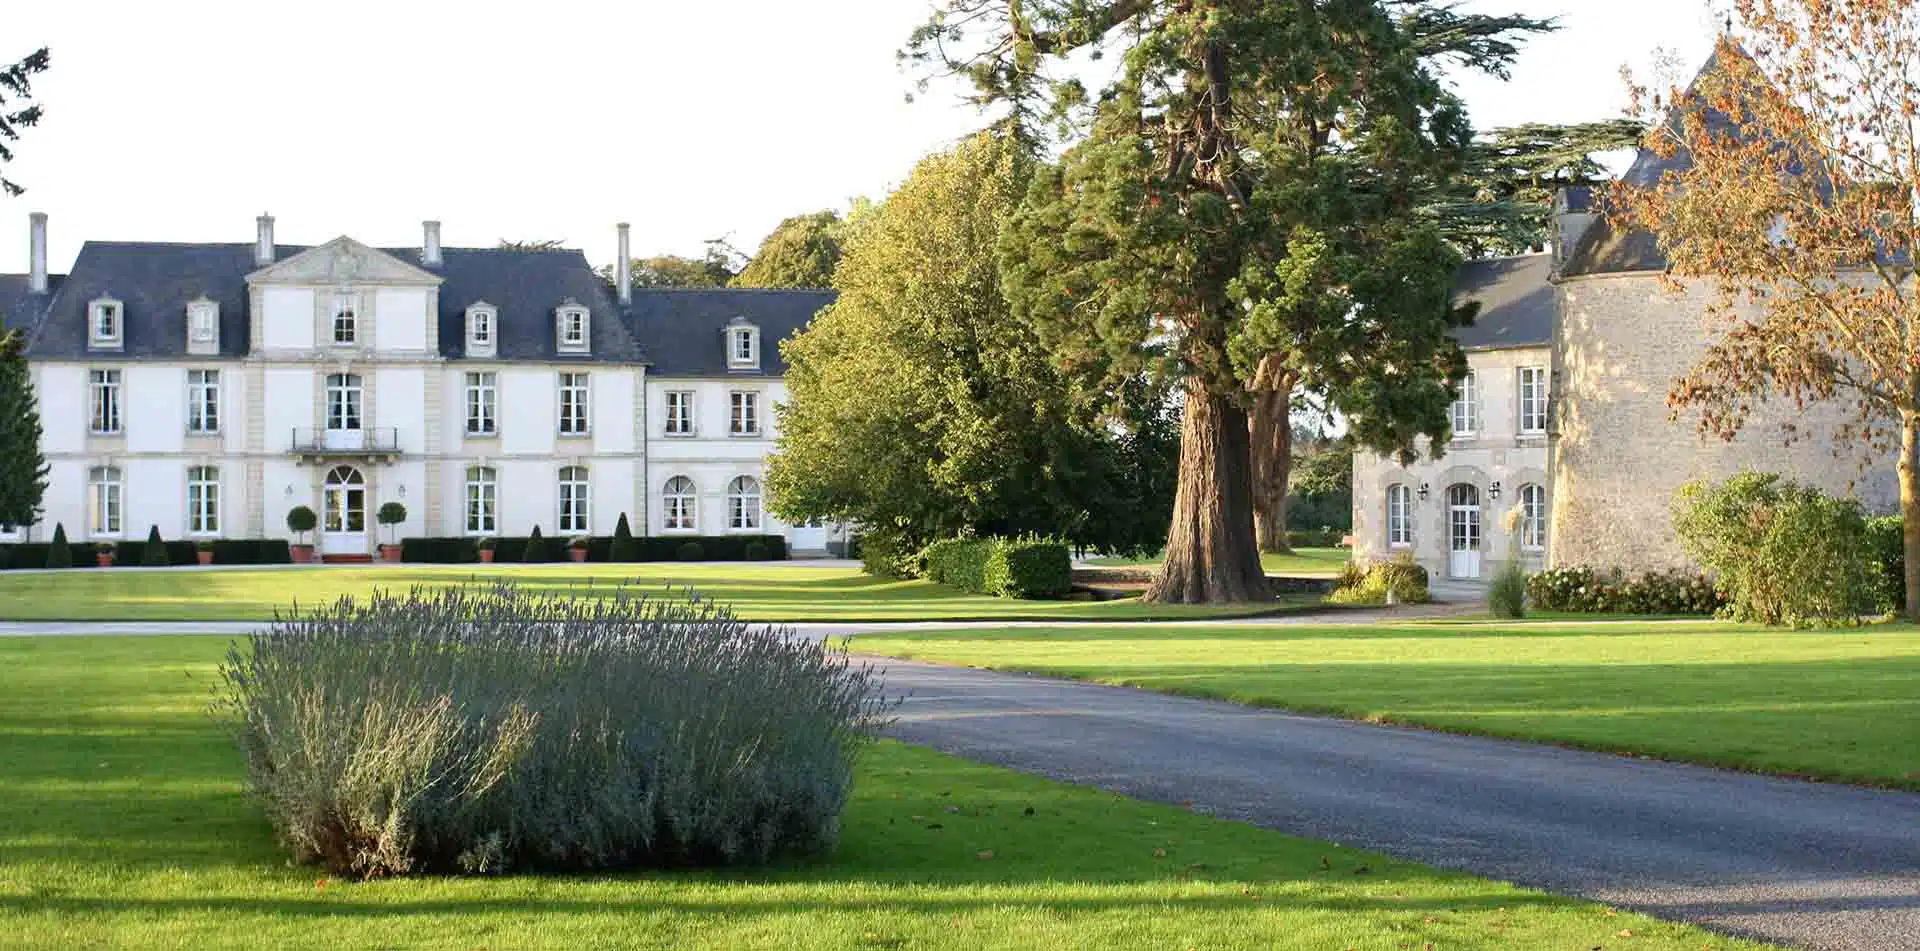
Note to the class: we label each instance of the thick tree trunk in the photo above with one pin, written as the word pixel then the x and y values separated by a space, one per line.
pixel 1910 507
pixel 1211 555
pixel 1271 432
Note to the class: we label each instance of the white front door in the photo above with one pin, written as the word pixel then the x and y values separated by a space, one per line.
pixel 343 521
pixel 1463 532
pixel 343 413
pixel 811 536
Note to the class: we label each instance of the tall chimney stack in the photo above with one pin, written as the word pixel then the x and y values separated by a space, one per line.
pixel 37 253
pixel 263 245
pixel 623 267
pixel 430 243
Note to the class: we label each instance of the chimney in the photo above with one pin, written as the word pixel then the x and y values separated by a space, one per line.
pixel 430 243
pixel 623 268
pixel 37 259
pixel 263 245
pixel 1573 214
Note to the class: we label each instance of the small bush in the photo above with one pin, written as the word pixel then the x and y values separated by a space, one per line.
pixel 957 563
pixel 486 729
pixel 1507 593
pixel 1581 589
pixel 693 551
pixel 59 553
pixel 1887 561
pixel 886 555
pixel 1782 552
pixel 1399 576
pixel 1315 537
pixel 301 520
pixel 533 551
pixel 1028 568
pixel 623 547
pixel 155 553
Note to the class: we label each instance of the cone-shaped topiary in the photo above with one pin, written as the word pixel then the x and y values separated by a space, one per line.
pixel 58 554
pixel 536 550
pixel 624 548
pixel 156 554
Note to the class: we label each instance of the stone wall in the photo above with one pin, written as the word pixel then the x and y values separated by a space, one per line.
pixel 1617 456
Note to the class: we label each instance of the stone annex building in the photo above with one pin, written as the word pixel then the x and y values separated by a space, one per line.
pixel 1563 415
pixel 208 389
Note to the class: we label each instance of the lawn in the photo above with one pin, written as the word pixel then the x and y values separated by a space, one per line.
pixel 1304 562
pixel 1830 704
pixel 127 826
pixel 758 592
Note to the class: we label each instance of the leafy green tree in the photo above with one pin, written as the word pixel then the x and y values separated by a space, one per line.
pixel 17 109
pixel 801 252
pixel 919 407
pixel 1246 190
pixel 23 467
pixel 1502 202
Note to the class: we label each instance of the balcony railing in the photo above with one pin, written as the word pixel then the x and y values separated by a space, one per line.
pixel 314 443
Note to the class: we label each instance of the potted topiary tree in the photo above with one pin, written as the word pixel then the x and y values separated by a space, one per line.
pixel 103 554
pixel 203 551
pixel 390 514
pixel 484 547
pixel 577 548
pixel 300 521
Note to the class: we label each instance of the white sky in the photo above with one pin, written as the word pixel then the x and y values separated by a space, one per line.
pixel 181 121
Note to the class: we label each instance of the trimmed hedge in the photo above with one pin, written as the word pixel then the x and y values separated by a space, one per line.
pixel 252 551
pixel 1587 591
pixel 34 555
pixel 1029 569
pixel 1887 550
pixel 958 562
pixel 226 551
pixel 1315 537
pixel 171 553
pixel 459 550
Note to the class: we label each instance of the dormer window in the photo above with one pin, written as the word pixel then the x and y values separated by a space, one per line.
pixel 203 326
pixel 743 346
pixel 346 327
pixel 482 329
pixel 105 320
pixel 571 320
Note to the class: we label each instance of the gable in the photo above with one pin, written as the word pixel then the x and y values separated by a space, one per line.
pixel 343 261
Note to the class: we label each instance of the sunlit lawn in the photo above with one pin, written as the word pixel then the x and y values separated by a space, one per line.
pixel 1322 562
pixel 1834 704
pixel 760 592
pixel 126 826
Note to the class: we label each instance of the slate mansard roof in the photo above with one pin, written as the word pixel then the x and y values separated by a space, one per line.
pixel 1517 306
pixel 677 332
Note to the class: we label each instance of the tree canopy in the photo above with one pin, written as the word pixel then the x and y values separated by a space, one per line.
pixel 801 252
pixel 17 109
pixel 920 408
pixel 1796 205
pixel 23 467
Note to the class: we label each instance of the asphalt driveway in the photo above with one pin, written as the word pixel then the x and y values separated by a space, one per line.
pixel 1812 865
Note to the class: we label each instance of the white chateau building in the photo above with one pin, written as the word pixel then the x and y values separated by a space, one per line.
pixel 208 389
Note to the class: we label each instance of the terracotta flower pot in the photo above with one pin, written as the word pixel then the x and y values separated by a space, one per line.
pixel 302 554
pixel 104 559
pixel 206 557
pixel 390 553
pixel 486 556
pixel 579 554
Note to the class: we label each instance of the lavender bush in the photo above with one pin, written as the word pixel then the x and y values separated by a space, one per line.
pixel 486 728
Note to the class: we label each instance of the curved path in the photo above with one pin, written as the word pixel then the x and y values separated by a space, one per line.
pixel 1818 866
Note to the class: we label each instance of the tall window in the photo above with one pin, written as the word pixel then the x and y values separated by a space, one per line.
pixel 678 505
pixel 573 404
pixel 743 503
pixel 1466 409
pixel 483 498
pixel 573 500
pixel 203 500
pixel 343 401
pixel 104 492
pixel 746 413
pixel 203 401
pixel 482 395
pixel 1533 517
pixel 1399 515
pixel 1533 399
pixel 345 323
pixel 105 385
pixel 679 412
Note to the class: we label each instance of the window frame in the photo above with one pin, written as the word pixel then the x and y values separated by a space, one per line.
pixel 686 399
pixel 1533 517
pixel 479 319
pixel 1467 406
pixel 346 316
pixel 689 516
pixel 1400 507
pixel 106 502
pixel 739 338
pixel 576 500
pixel 481 392
pixel 203 512
pixel 115 311
pixel 579 383
pixel 738 510
pixel 1533 400
pixel 565 321
pixel 203 322
pixel 743 407
pixel 203 402
pixel 481 493
pixel 352 402
pixel 105 416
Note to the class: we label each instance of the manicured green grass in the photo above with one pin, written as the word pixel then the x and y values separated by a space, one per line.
pixel 1831 704
pixel 757 592
pixel 1304 562
pixel 126 826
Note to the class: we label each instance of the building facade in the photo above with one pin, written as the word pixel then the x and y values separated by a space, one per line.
pixel 208 390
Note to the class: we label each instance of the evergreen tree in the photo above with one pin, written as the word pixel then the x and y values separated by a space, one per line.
pixel 155 555
pixel 23 468
pixel 623 548
pixel 16 92
pixel 59 554
pixel 536 550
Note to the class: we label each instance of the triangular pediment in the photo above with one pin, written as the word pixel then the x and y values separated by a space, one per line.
pixel 343 261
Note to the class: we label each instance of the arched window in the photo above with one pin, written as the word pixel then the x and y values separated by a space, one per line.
pixel 105 491
pixel 743 503
pixel 573 500
pixel 483 499
pixel 203 500
pixel 677 505
pixel 1533 517
pixel 1399 516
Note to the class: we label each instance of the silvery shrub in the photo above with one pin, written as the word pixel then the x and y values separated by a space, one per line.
pixel 489 728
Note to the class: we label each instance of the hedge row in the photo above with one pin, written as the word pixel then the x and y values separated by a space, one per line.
pixel 1315 537
pixel 226 551
pixel 1026 568
pixel 513 548
pixel 1584 590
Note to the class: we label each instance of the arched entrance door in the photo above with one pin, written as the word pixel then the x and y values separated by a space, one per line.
pixel 343 521
pixel 1463 531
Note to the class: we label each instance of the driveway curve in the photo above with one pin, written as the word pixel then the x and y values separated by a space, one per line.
pixel 1828 867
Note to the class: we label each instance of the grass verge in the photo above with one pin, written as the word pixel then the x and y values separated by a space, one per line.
pixel 127 827
pixel 1836 705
